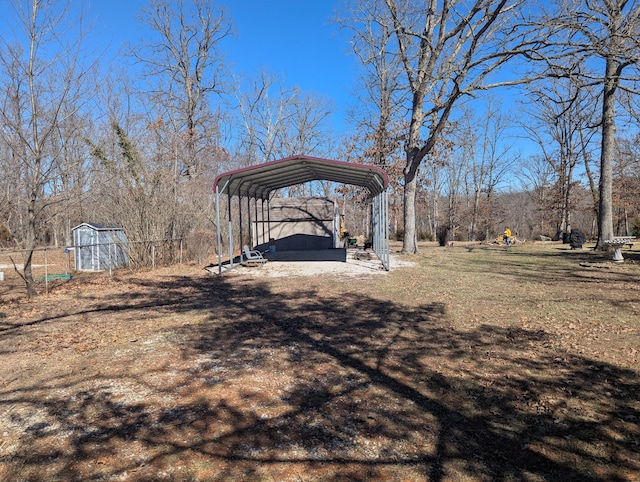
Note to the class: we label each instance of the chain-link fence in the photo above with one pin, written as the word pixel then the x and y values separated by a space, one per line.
pixel 54 265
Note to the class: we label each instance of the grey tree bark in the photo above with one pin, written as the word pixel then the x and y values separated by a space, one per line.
pixel 42 75
pixel 605 206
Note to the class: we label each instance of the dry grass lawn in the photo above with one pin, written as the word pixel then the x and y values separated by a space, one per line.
pixel 473 363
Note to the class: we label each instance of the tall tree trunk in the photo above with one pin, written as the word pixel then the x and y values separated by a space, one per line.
pixel 567 200
pixel 592 184
pixel 415 155
pixel 31 235
pixel 32 220
pixel 605 207
pixel 475 214
pixel 410 243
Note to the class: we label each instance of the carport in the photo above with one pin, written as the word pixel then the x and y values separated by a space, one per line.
pixel 258 184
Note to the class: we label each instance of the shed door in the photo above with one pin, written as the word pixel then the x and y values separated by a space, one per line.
pixel 86 247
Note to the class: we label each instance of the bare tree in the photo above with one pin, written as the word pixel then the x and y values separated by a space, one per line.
pixel 135 190
pixel 429 188
pixel 561 120
pixel 263 115
pixel 483 144
pixel 587 35
pixel 448 50
pixel 184 63
pixel 536 177
pixel 454 169
pixel 9 176
pixel 307 131
pixel 380 89
pixel 379 111
pixel 277 121
pixel 41 76
pixel 626 172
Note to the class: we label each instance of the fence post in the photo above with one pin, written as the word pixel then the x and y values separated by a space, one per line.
pixel 46 273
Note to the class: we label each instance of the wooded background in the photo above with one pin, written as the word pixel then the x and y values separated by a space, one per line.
pixel 136 141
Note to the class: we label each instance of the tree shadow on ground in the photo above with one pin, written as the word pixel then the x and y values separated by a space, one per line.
pixel 342 386
pixel 558 266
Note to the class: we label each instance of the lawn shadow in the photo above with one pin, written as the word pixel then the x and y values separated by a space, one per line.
pixel 556 265
pixel 371 390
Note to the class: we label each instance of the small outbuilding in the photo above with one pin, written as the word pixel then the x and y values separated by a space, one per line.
pixel 99 247
pixel 314 224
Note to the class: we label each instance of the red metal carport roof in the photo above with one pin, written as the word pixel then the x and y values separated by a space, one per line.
pixel 261 180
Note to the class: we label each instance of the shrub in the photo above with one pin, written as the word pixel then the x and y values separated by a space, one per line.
pixel 442 236
pixel 5 234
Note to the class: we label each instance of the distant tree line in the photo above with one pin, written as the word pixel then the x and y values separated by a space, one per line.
pixel 426 62
pixel 138 139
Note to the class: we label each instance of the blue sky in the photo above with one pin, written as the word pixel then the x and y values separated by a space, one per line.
pixel 294 39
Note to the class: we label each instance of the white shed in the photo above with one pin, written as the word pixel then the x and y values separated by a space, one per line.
pixel 99 247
